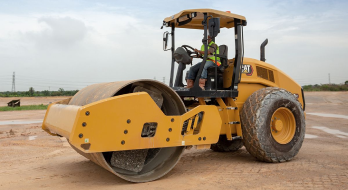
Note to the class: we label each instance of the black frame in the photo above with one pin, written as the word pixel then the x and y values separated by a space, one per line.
pixel 173 59
pixel 196 91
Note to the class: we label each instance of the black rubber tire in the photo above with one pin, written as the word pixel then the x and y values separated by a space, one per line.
pixel 224 145
pixel 256 117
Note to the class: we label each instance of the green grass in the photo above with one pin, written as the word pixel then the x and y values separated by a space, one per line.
pixel 326 87
pixel 29 107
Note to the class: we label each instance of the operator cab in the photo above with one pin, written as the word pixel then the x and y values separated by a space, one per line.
pixel 211 21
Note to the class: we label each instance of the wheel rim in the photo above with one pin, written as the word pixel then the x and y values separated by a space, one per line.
pixel 283 125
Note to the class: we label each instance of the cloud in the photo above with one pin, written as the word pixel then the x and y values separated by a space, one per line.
pixel 61 32
pixel 94 42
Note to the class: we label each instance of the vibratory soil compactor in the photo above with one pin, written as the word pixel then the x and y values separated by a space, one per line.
pixel 138 129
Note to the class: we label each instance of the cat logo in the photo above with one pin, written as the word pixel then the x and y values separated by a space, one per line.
pixel 247 69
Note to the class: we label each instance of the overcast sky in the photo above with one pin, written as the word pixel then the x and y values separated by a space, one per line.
pixel 71 44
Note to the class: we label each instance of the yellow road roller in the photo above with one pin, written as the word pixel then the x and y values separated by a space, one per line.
pixel 138 129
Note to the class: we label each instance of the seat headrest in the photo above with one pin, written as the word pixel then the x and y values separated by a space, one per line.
pixel 223 49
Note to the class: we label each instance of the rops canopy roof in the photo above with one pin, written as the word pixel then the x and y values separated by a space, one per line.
pixel 196 17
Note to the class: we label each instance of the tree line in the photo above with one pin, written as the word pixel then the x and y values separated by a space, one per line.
pixel 61 92
pixel 326 87
pixel 32 93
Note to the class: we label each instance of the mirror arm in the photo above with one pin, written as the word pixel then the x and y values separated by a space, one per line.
pixel 165 40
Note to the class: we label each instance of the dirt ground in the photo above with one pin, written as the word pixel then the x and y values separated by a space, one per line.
pixel 32 100
pixel 31 159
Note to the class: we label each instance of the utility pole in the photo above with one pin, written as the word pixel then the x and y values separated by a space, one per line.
pixel 13 82
pixel 164 79
pixel 329 79
pixel 154 78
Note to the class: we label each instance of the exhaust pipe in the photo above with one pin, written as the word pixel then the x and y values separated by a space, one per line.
pixel 262 50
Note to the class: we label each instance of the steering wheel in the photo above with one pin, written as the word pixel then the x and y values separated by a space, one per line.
pixel 189 52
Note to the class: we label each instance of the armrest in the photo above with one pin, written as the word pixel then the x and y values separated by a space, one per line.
pixel 221 56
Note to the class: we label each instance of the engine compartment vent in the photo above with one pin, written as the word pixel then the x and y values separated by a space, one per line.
pixel 265 73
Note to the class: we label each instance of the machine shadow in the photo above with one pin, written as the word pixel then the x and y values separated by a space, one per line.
pixel 192 161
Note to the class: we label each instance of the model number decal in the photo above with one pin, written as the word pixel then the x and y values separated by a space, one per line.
pixel 247 69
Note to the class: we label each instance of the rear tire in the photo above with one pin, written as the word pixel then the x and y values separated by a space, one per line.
pixel 224 145
pixel 273 125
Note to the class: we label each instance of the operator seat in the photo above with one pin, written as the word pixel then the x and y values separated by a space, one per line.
pixel 223 50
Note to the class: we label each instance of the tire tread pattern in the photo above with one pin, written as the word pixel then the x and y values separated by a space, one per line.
pixel 253 118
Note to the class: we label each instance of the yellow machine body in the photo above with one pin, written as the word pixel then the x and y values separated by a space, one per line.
pixel 106 127
pixel 115 124
pixel 258 74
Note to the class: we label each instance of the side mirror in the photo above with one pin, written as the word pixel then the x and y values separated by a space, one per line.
pixel 165 41
pixel 214 27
